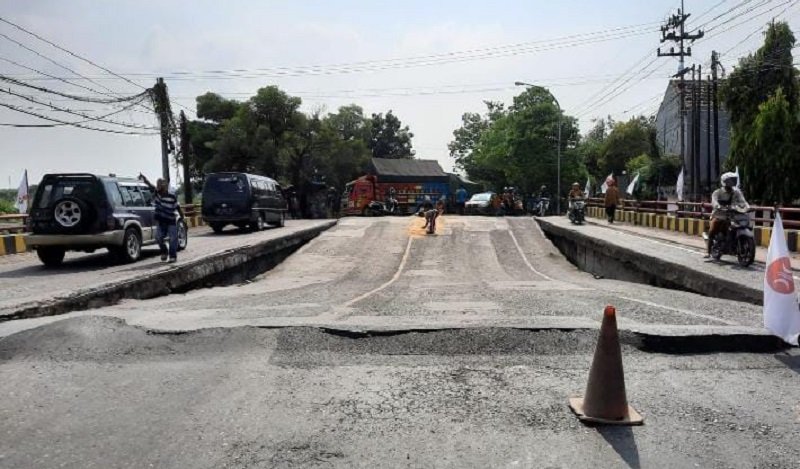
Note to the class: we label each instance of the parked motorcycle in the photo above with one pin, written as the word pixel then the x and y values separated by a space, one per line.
pixel 577 214
pixel 736 239
pixel 377 209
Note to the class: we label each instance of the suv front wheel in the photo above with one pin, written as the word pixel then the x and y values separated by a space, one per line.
pixel 50 256
pixel 131 248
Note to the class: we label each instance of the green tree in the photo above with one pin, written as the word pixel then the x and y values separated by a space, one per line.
pixel 772 152
pixel 389 138
pixel 626 141
pixel 761 95
pixel 343 138
pixel 519 147
pixel 466 138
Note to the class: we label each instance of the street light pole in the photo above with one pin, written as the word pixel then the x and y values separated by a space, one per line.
pixel 558 150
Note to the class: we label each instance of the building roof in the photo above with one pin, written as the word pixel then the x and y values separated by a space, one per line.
pixel 407 168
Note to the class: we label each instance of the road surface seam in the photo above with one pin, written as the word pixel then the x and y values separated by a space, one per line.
pixel 390 281
pixel 678 310
pixel 524 257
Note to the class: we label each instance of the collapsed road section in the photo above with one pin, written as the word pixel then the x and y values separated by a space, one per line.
pixel 621 256
pixel 31 291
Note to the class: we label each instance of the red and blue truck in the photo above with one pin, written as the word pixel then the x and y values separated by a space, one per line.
pixel 411 179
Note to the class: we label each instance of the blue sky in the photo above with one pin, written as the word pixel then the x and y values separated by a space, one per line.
pixel 142 39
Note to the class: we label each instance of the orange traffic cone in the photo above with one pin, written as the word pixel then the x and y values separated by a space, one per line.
pixel 605 400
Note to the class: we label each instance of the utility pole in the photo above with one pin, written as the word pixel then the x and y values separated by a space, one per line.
pixel 160 98
pixel 715 96
pixel 186 158
pixel 692 142
pixel 675 31
pixel 709 185
pixel 698 95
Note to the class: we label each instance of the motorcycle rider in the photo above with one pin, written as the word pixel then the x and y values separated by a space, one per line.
pixel 727 196
pixel 575 193
pixel 391 201
pixel 543 195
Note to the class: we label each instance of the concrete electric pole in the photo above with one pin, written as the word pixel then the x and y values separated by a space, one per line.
pixel 675 31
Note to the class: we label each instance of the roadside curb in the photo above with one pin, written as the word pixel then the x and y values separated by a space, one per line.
pixel 164 282
pixel 585 252
pixel 689 226
pixel 13 244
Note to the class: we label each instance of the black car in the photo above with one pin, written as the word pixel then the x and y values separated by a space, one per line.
pixel 243 200
pixel 86 212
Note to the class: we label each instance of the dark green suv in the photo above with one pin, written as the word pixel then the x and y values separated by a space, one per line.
pixel 86 212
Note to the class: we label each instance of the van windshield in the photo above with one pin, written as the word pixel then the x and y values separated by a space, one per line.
pixel 226 184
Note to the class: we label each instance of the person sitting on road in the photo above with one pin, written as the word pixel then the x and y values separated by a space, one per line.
pixel 726 197
pixel 611 200
pixel 168 210
pixel 574 193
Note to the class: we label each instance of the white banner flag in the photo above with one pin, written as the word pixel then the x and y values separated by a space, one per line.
pixel 22 194
pixel 587 191
pixel 781 308
pixel 632 185
pixel 679 186
pixel 738 179
pixel 604 187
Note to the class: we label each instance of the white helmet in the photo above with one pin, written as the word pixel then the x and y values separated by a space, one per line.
pixel 729 179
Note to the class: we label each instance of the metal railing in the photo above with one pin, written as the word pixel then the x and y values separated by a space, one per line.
pixel 761 215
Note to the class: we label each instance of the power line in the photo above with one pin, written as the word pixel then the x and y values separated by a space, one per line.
pixel 12 62
pixel 69 52
pixel 73 124
pixel 117 111
pixel 54 62
pixel 75 113
pixel 87 99
pixel 436 59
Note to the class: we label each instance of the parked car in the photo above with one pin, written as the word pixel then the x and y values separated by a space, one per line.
pixel 480 203
pixel 243 200
pixel 86 212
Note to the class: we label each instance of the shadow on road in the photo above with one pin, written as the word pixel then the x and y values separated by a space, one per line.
pixel 623 442
pixel 791 359
pixel 230 232
pixel 85 263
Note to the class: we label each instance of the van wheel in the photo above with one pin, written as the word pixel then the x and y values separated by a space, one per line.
pixel 217 227
pixel 257 225
pixel 131 248
pixel 51 256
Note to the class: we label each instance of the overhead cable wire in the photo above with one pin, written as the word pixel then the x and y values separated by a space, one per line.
pixel 58 64
pixel 73 124
pixel 75 113
pixel 87 99
pixel 129 107
pixel 386 64
pixel 77 56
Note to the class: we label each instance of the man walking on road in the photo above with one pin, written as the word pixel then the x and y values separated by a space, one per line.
pixel 461 199
pixel 167 212
pixel 611 199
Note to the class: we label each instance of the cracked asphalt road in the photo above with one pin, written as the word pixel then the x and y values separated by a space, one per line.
pixel 385 273
pixel 187 381
pixel 94 392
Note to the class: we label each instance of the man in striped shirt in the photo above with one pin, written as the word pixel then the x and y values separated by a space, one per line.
pixel 168 210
